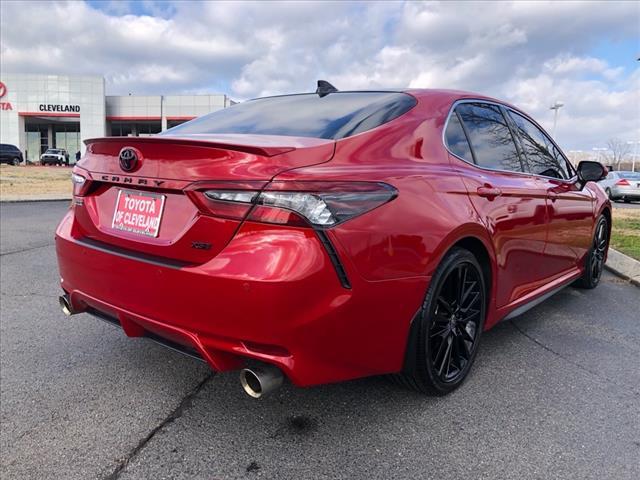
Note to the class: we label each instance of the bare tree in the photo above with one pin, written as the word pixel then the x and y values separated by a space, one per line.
pixel 618 150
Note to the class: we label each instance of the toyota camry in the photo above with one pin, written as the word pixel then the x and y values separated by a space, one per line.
pixel 332 235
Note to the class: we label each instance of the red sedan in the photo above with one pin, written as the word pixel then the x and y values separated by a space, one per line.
pixel 332 235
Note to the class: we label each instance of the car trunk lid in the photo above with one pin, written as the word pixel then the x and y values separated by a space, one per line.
pixel 167 171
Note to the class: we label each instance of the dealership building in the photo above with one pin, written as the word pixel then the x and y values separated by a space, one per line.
pixel 54 111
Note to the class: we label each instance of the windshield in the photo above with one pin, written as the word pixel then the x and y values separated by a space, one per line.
pixel 52 151
pixel 335 116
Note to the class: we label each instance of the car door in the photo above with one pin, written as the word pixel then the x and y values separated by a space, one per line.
pixel 569 207
pixel 509 201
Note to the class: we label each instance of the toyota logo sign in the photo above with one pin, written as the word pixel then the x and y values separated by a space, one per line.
pixel 128 159
pixel 3 89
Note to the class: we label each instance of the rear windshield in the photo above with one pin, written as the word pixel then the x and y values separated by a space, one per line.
pixel 630 175
pixel 335 116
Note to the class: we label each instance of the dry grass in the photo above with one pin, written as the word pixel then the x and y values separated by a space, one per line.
pixel 33 181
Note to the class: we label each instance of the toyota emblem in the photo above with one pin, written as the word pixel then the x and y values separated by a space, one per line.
pixel 128 159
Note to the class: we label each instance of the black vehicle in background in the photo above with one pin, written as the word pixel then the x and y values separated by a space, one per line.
pixel 10 154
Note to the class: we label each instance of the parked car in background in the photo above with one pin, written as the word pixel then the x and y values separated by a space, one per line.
pixel 622 185
pixel 331 236
pixel 54 156
pixel 10 154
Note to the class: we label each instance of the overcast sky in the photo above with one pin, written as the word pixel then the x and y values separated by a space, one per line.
pixel 531 54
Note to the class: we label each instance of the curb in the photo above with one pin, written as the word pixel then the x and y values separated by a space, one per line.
pixel 623 266
pixel 59 198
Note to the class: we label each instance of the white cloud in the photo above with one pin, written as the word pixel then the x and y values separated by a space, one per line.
pixel 529 53
pixel 567 64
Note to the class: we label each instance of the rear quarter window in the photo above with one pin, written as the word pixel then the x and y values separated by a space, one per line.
pixel 457 140
pixel 334 116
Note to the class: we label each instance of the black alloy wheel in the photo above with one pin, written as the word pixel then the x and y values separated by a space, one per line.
pixel 599 250
pixel 455 320
pixel 451 323
pixel 594 263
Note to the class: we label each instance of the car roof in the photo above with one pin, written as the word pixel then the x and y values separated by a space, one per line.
pixel 453 95
pixel 442 94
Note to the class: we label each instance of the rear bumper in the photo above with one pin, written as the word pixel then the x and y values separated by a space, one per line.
pixel 272 294
pixel 631 193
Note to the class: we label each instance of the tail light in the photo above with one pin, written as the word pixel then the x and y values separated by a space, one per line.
pixel 225 199
pixel 623 183
pixel 317 204
pixel 80 184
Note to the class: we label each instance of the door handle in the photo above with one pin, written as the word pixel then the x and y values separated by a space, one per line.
pixel 553 196
pixel 489 192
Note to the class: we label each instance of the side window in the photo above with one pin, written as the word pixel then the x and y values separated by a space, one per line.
pixel 490 136
pixel 456 139
pixel 542 156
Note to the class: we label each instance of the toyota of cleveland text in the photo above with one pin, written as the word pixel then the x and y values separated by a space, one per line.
pixel 332 235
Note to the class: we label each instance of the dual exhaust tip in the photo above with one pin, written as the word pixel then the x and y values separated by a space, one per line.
pixel 256 381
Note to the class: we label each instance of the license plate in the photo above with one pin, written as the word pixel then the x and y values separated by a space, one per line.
pixel 138 212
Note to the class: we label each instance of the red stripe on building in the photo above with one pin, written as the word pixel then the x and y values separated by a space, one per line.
pixel 48 114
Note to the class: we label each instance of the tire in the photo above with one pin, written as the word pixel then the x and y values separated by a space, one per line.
pixel 594 262
pixel 449 329
pixel 608 192
pixel 15 161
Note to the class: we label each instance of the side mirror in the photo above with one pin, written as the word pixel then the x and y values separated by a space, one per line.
pixel 589 171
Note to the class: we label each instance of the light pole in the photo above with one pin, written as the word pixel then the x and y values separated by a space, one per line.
pixel 635 154
pixel 556 106
pixel 599 152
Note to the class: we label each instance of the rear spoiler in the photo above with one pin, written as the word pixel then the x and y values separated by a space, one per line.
pixel 264 145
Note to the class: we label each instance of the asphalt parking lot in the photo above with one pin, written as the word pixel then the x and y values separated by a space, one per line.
pixel 553 394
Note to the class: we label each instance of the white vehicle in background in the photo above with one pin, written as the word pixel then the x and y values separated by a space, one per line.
pixel 55 156
pixel 622 185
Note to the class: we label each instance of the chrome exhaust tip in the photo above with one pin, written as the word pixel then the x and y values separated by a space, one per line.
pixel 261 380
pixel 65 305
